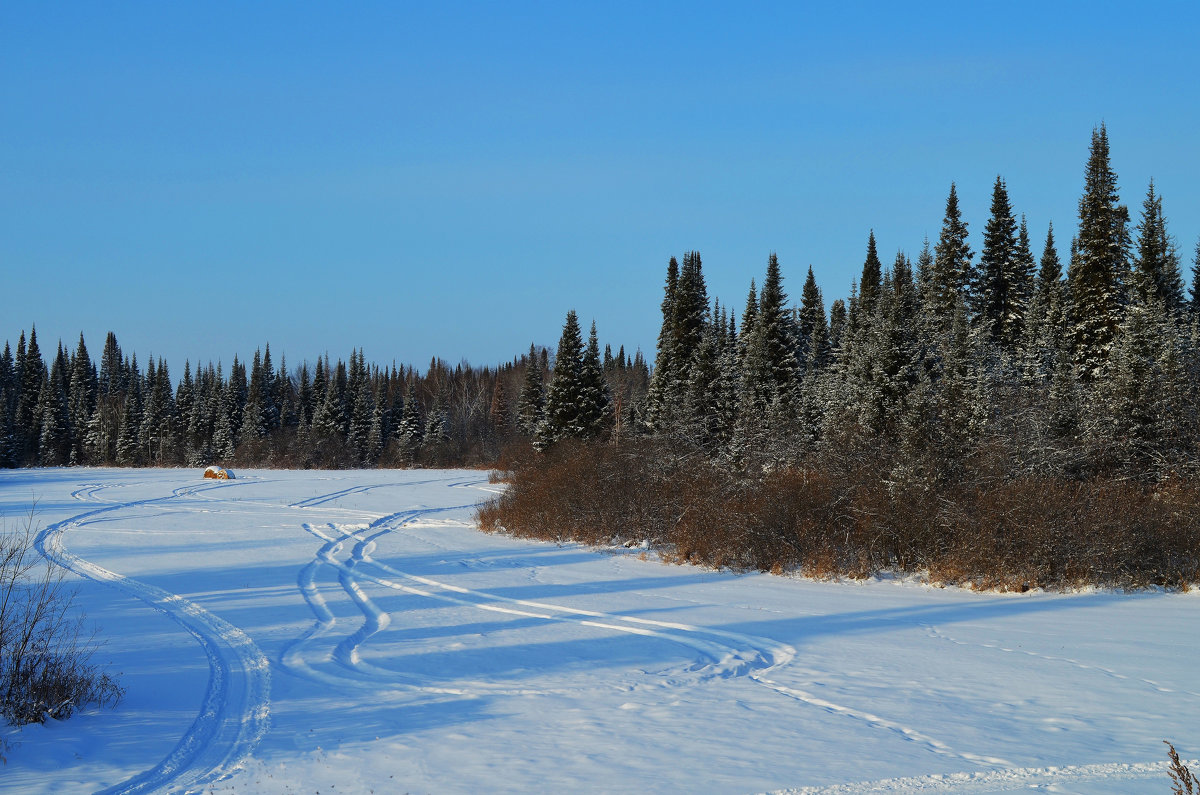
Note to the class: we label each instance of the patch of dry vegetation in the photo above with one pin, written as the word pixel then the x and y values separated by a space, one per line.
pixel 1006 534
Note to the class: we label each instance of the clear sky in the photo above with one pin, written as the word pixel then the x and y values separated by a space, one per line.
pixel 449 179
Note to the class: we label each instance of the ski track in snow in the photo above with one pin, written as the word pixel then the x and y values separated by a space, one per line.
pixel 235 711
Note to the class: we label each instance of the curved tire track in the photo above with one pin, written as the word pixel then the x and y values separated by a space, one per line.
pixel 728 654
pixel 235 711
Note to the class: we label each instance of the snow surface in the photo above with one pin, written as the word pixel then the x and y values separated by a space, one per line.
pixel 352 632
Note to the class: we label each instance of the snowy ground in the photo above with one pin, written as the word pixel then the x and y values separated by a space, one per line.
pixel 351 632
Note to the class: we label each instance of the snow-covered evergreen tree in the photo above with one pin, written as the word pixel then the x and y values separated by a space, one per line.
pixel 1096 270
pixel 951 265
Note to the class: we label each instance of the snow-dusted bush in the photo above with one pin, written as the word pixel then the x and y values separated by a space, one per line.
pixel 45 653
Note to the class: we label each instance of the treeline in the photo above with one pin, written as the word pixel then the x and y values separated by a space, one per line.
pixel 110 411
pixel 952 412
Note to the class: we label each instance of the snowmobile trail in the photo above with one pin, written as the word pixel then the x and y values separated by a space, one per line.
pixel 722 654
pixel 235 710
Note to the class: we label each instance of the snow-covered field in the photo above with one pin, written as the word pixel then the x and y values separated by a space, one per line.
pixel 352 632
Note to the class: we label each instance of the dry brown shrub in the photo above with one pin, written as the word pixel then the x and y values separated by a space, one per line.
pixel 1031 532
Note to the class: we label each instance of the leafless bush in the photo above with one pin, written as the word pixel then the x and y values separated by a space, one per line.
pixel 45 654
pixel 841 519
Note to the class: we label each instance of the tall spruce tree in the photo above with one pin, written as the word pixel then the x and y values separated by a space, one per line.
pixel 660 398
pixel 531 403
pixel 1095 274
pixel 992 299
pixel 872 276
pixel 564 417
pixel 809 318
pixel 594 407
pixel 32 374
pixel 951 265
pixel 1156 272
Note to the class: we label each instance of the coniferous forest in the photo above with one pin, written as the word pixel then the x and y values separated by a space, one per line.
pixel 1013 420
pixel 1026 415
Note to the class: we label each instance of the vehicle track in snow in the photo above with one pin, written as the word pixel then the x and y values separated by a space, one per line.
pixel 235 710
pixel 759 658
pixel 722 654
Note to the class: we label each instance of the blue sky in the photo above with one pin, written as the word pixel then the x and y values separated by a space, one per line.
pixel 449 179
